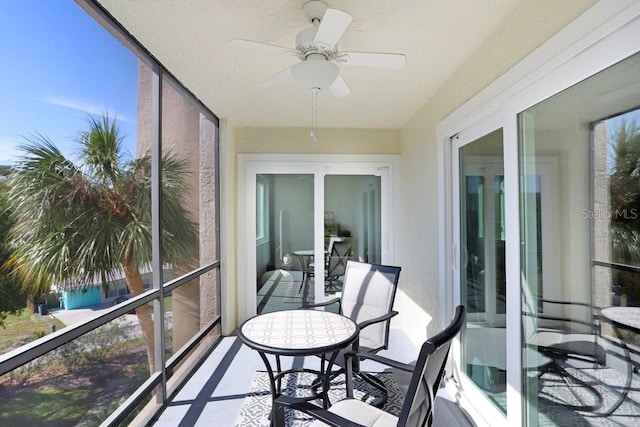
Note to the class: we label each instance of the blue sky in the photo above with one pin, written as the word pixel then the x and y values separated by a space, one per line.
pixel 57 67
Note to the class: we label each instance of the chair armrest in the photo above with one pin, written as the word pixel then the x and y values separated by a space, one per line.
pixel 382 318
pixel 559 319
pixel 595 312
pixel 581 304
pixel 407 367
pixel 321 304
pixel 317 412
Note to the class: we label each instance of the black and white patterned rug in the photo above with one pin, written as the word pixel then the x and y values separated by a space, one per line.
pixel 257 405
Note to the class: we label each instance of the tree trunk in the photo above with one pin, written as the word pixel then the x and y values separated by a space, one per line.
pixel 136 287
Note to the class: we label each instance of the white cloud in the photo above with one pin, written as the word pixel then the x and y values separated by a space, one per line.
pixel 86 107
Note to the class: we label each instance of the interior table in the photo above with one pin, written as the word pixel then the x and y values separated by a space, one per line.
pixel 623 318
pixel 305 257
pixel 298 333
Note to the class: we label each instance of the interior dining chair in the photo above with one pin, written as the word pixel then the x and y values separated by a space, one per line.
pixel 337 264
pixel 367 298
pixel 418 406
pixel 332 240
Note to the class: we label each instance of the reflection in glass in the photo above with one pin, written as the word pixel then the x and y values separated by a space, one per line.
pixel 578 357
pixel 284 241
pixel 352 225
pixel 483 261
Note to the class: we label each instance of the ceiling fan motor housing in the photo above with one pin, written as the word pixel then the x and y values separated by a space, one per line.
pixel 306 45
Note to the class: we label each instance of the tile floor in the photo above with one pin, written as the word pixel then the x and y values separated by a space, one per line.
pixel 214 395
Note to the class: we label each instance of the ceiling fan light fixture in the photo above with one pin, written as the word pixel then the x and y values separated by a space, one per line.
pixel 312 74
pixel 317 49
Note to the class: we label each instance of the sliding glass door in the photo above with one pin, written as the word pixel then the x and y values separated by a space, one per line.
pixel 481 234
pixel 580 343
pixel 481 276
pixel 546 255
pixel 307 222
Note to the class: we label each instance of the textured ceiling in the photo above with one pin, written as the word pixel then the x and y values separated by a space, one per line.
pixel 191 39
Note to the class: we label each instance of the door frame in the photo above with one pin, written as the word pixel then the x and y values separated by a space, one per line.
pixel 250 165
pixel 547 169
pixel 470 134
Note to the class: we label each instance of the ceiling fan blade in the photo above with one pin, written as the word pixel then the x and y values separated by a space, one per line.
pixel 274 80
pixel 339 88
pixel 332 26
pixel 373 59
pixel 258 45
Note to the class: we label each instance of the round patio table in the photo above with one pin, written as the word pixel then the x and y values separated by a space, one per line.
pixel 297 333
pixel 625 318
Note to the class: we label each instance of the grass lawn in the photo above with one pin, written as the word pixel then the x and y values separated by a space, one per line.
pixel 61 394
pixel 24 327
pixel 80 383
pixel 47 407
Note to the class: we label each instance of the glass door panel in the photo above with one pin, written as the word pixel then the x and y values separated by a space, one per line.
pixel 580 362
pixel 482 272
pixel 284 241
pixel 352 218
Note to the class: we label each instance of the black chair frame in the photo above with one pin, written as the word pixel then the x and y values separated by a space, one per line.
pixel 375 382
pixel 427 371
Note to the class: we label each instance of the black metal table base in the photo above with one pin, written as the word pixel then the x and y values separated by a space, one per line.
pixel 323 378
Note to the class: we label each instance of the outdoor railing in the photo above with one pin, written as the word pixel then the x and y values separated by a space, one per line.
pixel 29 352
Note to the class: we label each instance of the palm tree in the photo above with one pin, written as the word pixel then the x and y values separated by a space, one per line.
pixel 76 222
pixel 12 297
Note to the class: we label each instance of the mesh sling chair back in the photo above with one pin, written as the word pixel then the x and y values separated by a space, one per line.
pixel 368 294
pixel 418 406
pixel 338 254
pixel 337 263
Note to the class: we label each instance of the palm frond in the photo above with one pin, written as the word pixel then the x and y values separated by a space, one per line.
pixel 102 150
pixel 77 224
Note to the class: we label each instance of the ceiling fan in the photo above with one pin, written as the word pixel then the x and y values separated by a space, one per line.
pixel 316 47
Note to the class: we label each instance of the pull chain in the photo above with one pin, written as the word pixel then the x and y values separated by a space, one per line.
pixel 314 114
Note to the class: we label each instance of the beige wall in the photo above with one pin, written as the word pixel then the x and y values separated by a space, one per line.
pixel 334 141
pixel 416 223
